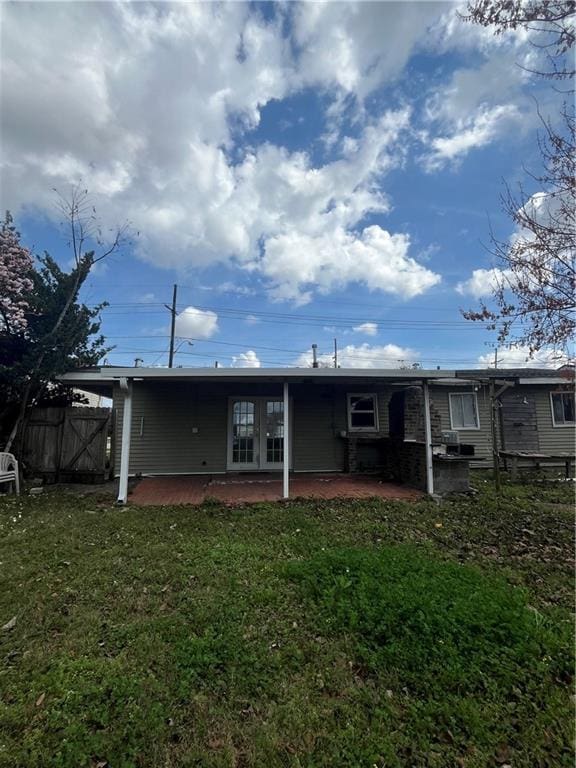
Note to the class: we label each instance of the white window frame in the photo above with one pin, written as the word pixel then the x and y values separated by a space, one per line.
pixel 565 423
pixel 374 397
pixel 464 429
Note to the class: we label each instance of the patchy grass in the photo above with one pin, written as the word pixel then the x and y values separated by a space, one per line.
pixel 365 633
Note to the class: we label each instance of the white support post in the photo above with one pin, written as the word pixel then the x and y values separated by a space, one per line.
pixel 428 438
pixel 126 387
pixel 287 437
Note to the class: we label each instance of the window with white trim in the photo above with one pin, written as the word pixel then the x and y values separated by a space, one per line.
pixel 562 409
pixel 464 410
pixel 363 413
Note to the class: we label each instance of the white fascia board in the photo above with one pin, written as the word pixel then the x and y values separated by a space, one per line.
pixel 85 376
pixel 281 374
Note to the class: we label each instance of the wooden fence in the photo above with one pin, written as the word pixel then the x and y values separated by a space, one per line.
pixel 69 444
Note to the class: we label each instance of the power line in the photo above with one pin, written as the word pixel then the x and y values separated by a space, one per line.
pixel 266 294
pixel 346 355
pixel 319 321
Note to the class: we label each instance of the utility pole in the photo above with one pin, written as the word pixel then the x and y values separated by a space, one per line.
pixel 172 310
pixel 335 353
pixel 495 345
pixel 495 452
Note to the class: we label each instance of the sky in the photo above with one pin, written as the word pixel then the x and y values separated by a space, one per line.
pixel 304 172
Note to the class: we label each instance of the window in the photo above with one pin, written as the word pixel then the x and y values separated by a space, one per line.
pixel 562 409
pixel 362 413
pixel 464 411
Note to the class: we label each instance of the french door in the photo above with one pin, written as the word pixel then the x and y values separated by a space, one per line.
pixel 255 433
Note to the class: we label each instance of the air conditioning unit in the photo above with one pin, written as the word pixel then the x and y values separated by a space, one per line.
pixel 450 437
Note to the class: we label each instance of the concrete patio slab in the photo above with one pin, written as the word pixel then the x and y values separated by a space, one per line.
pixel 246 488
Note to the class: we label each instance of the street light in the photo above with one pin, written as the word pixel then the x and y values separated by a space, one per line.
pixel 181 344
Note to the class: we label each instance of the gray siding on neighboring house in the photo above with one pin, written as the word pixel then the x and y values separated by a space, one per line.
pixel 551 439
pixel 479 438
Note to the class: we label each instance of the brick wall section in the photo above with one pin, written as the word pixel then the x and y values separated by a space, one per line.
pixel 414 417
pixel 363 453
pixel 405 462
pixel 358 447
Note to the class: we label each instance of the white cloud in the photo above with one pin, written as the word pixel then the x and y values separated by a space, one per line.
pixel 375 259
pixel 484 282
pixel 357 46
pixel 519 357
pixel 252 320
pixel 196 323
pixel 365 356
pixel 247 359
pixel 470 133
pixel 479 104
pixel 450 33
pixel 370 329
pixel 145 104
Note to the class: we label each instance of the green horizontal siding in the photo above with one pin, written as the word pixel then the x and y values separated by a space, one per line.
pixel 165 413
pixel 163 418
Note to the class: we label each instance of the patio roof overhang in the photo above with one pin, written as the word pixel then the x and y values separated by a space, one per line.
pixel 102 380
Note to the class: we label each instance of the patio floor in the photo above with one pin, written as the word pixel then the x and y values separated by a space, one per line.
pixel 237 489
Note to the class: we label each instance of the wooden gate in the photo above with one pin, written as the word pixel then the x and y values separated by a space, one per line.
pixel 42 442
pixel 518 423
pixel 69 444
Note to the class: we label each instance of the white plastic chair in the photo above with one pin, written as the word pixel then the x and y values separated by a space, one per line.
pixel 9 471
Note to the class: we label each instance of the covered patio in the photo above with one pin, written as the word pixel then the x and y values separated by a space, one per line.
pixel 254 487
pixel 289 432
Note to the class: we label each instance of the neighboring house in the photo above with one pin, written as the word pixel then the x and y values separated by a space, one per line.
pixel 90 399
pixel 534 414
pixel 206 420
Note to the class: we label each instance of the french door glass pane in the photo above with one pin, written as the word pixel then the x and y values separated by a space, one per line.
pixel 274 423
pixel 243 416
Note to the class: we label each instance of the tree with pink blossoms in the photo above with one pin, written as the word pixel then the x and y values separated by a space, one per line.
pixel 16 266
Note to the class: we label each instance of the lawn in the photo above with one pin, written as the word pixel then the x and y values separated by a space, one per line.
pixel 367 633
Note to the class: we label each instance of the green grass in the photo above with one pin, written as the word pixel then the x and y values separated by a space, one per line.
pixel 301 634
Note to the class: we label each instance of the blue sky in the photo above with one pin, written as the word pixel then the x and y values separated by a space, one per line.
pixel 303 172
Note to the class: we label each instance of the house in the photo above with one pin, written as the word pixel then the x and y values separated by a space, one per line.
pixel 533 413
pixel 220 420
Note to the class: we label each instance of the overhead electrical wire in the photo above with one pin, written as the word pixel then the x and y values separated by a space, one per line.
pixel 446 362
pixel 284 318
pixel 258 347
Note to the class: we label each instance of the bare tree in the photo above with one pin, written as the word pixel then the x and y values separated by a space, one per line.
pixel 83 227
pixel 550 22
pixel 535 292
